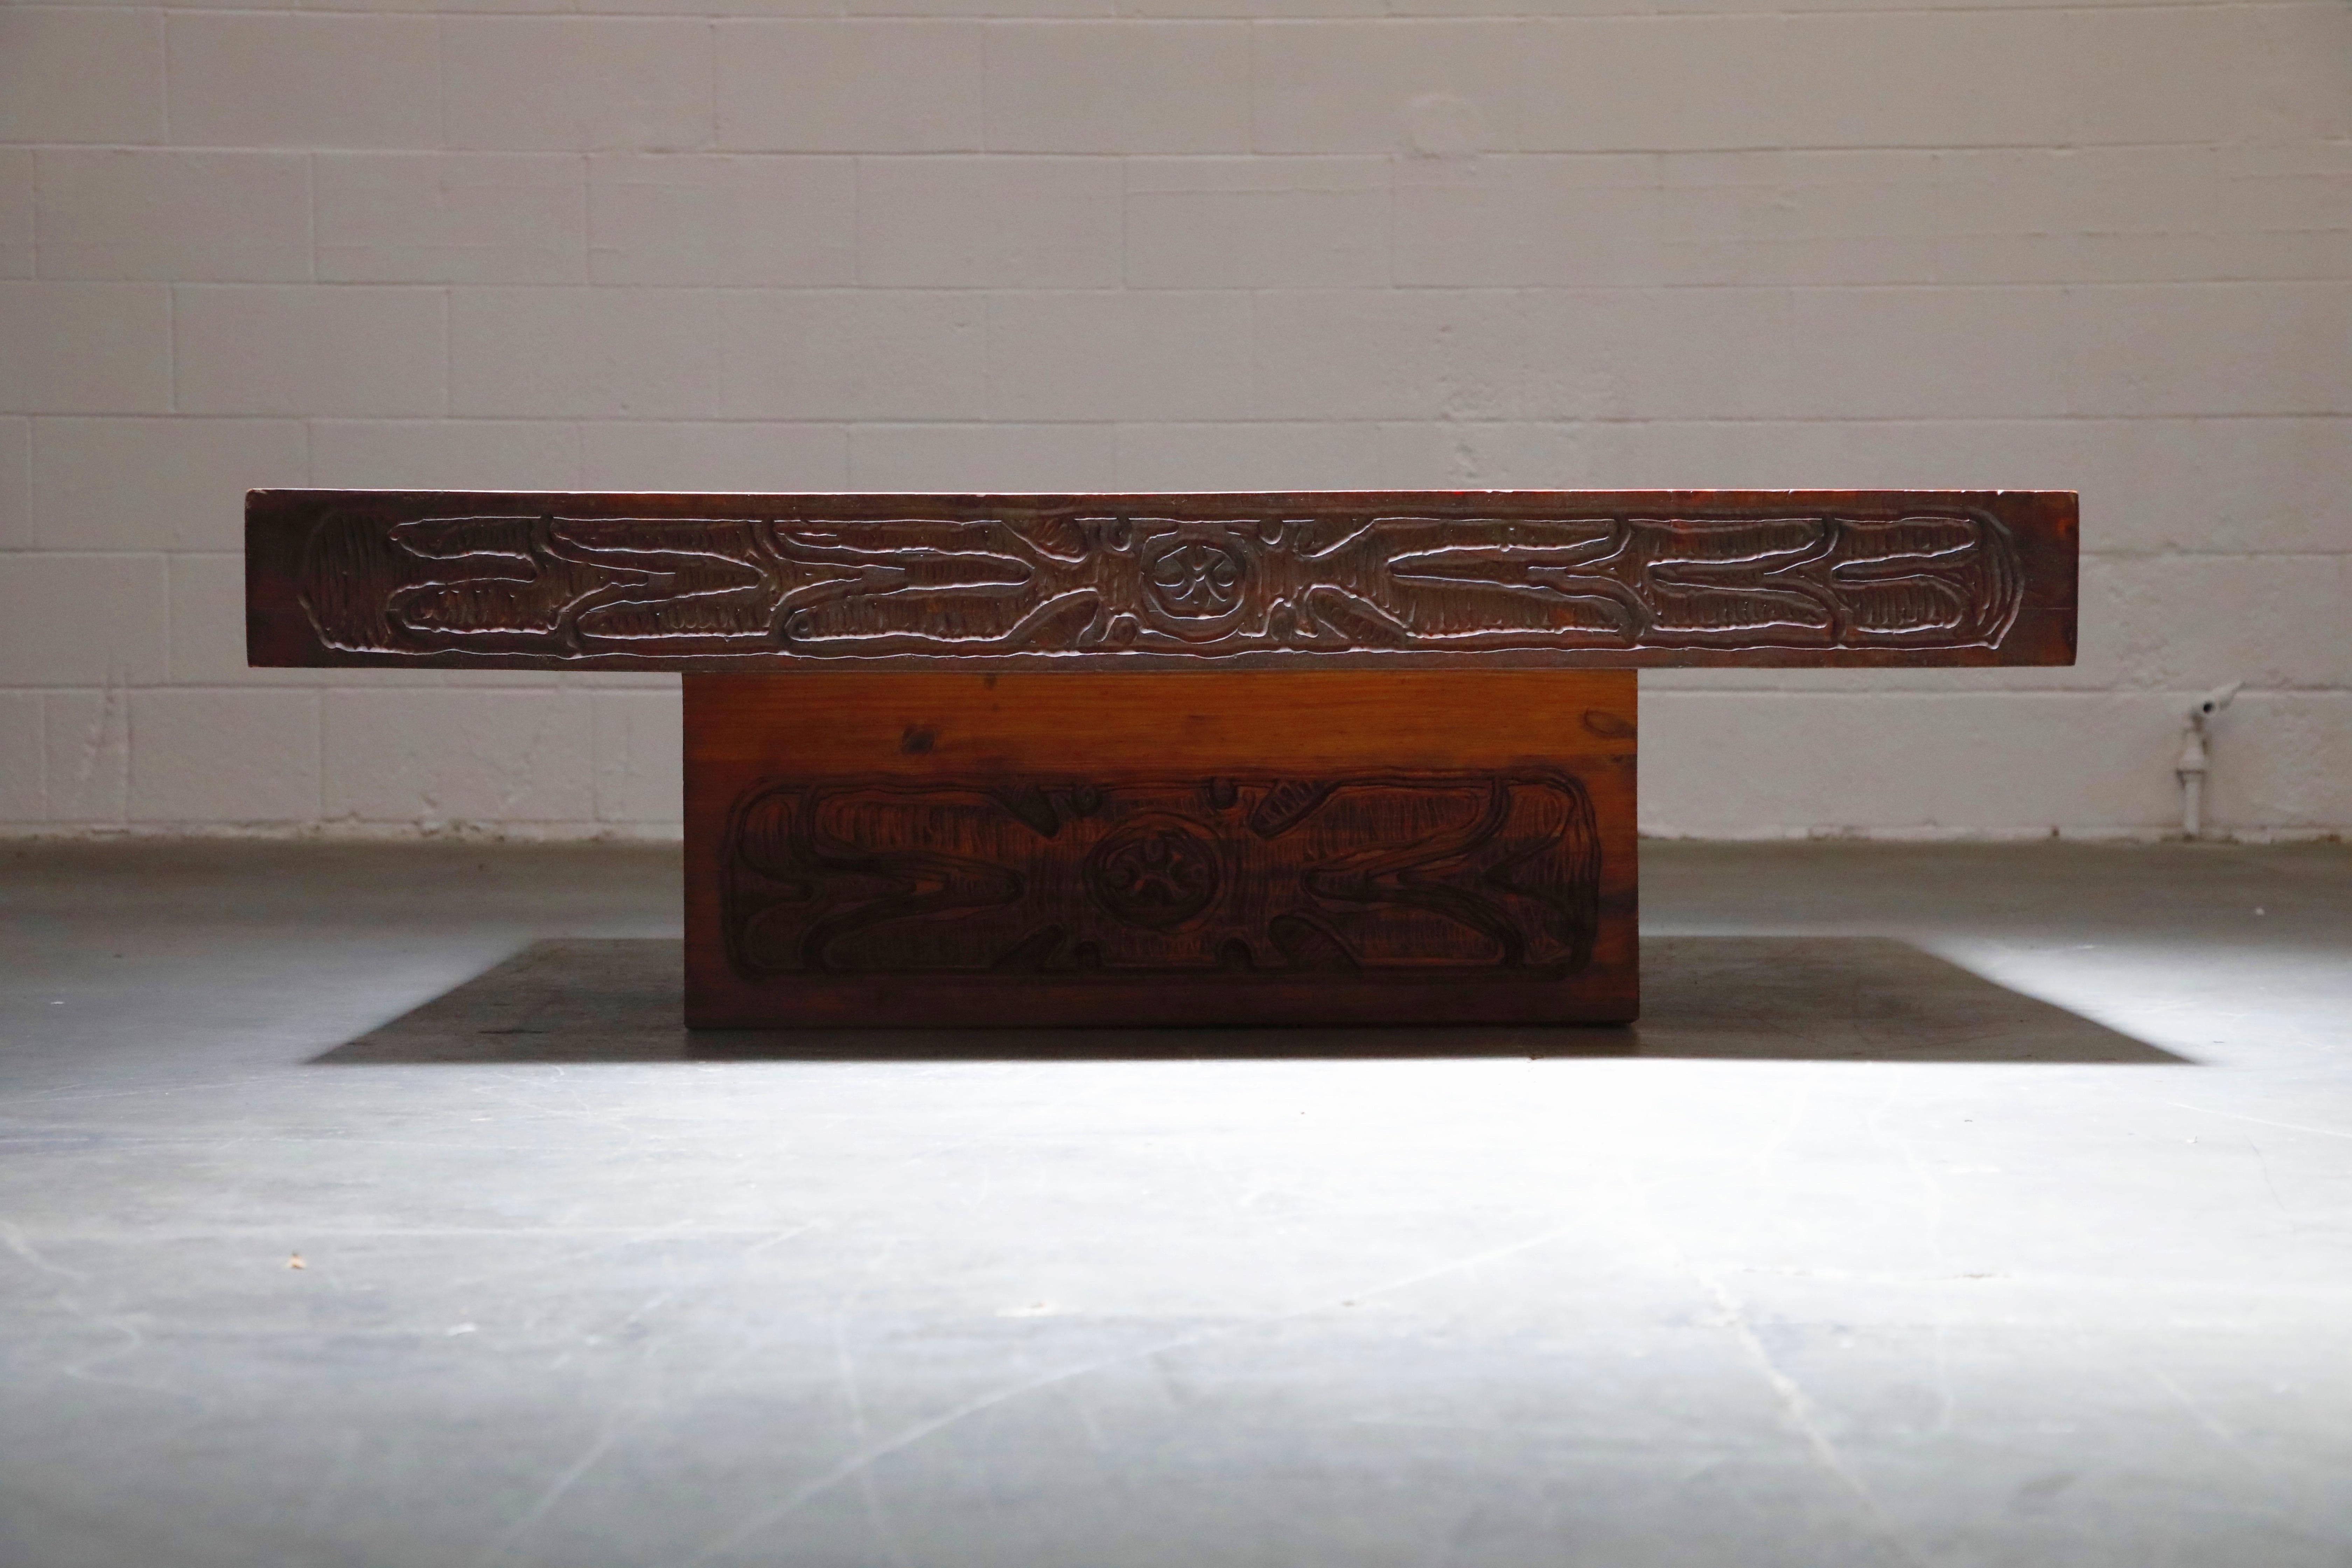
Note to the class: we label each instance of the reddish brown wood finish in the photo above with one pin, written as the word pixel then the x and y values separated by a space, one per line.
pixel 1230 848
pixel 1309 757
pixel 1291 581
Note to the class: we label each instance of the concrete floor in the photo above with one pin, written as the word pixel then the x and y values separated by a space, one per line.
pixel 1952 1206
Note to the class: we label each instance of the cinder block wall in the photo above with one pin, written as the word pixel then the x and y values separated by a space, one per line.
pixel 1179 243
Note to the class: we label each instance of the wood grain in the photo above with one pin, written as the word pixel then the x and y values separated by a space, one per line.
pixel 1298 757
pixel 1298 580
pixel 960 848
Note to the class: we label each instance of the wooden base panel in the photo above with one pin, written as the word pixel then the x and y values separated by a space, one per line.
pixel 951 849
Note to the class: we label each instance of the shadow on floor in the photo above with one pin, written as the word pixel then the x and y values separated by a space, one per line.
pixel 1765 998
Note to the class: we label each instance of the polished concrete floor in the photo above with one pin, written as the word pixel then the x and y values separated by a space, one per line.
pixel 1950 1205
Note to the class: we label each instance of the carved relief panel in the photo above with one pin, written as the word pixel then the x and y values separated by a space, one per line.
pixel 1482 875
pixel 1227 580
pixel 865 846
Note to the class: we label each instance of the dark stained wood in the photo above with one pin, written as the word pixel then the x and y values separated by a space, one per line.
pixel 1290 580
pixel 949 847
pixel 1021 759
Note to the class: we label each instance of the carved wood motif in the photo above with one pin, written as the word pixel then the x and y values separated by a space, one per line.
pixel 1164 580
pixel 1476 875
pixel 912 847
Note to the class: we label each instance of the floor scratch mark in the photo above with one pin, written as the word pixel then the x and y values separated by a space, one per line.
pixel 2260 1120
pixel 1797 1406
pixel 855 1463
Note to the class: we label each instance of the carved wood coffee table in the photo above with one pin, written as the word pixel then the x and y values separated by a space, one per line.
pixel 1322 757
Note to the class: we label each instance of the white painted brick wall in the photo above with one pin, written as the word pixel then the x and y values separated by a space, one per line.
pixel 1079 243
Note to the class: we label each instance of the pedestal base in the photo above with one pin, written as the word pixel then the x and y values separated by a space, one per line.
pixel 1352 846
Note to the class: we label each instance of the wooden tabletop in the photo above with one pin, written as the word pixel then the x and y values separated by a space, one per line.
pixel 1299 580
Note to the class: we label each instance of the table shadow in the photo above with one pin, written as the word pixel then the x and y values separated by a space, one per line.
pixel 1785 998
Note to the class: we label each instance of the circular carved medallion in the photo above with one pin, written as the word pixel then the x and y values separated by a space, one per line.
pixel 1197 579
pixel 1156 871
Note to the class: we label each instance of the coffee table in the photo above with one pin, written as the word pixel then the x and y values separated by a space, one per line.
pixel 1198 758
